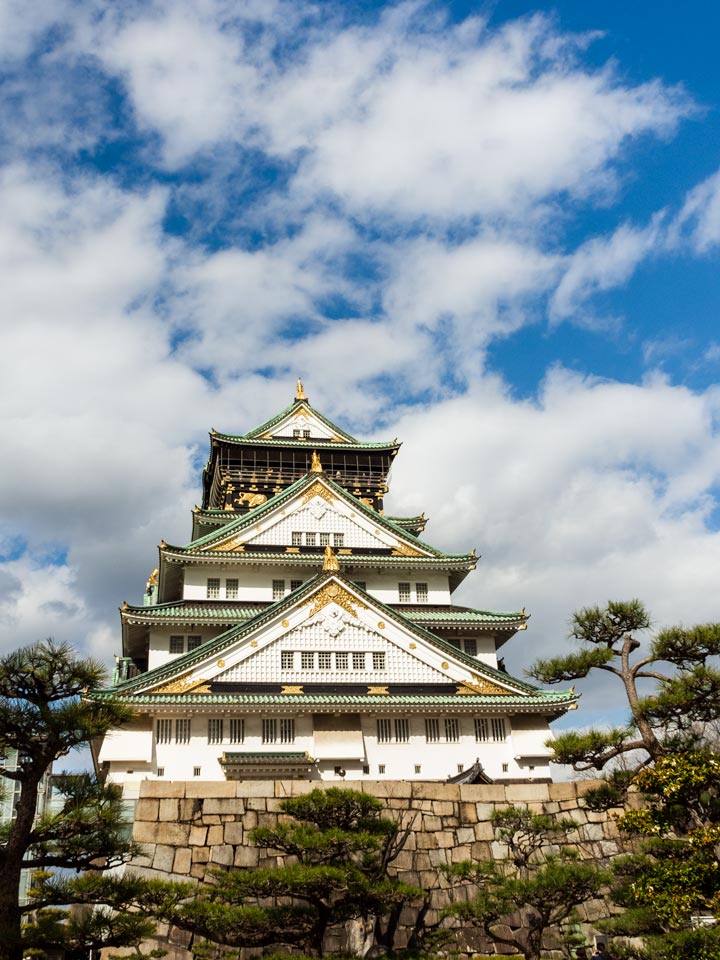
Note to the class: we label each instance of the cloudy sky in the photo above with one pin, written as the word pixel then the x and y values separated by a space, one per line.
pixel 488 229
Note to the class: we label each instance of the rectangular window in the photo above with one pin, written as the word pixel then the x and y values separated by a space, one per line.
pixel 505 768
pixel 296 432
pixel 471 647
pixel 287 660
pixel 177 644
pixel 161 771
pixel 338 539
pixel 418 768
pixel 402 731
pixel 306 434
pixel 269 731
pixel 381 768
pixel 194 643
pixel 324 660
pixel 384 731
pixel 404 592
pixel 182 731
pixel 482 732
pixel 295 584
pixel 324 539
pixel 432 730
pixel 310 539
pixel 342 661
pixel 287 731
pixel 461 767
pixel 378 661
pixel 358 661
pixel 237 730
pixel 215 730
pixel 366 769
pixel 421 592
pixel 231 589
pixel 452 729
pixel 307 660
pixel 164 731
pixel 213 588
pixel 497 728
pixel 296 538
pixel 196 771
pixel 278 589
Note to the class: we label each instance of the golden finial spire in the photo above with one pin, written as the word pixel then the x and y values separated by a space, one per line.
pixel 330 564
pixel 300 391
pixel 316 466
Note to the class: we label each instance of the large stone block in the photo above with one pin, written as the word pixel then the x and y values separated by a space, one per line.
pixel 468 813
pixel 169 809
pixel 445 839
pixel 427 790
pixel 465 834
pixel 147 809
pixel 223 854
pixel 190 809
pixel 444 808
pixel 145 831
pixel 176 834
pixel 200 854
pixel 383 789
pixel 162 788
pixel 563 791
pixel 233 832
pixel 164 858
pixel 484 831
pixel 246 856
pixel 197 836
pixel 482 792
pixel 215 835
pixel 223 805
pixel 527 793
pixel 257 803
pixel 183 860
pixel 206 788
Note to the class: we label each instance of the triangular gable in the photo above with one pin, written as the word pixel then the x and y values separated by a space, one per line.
pixel 300 417
pixel 317 504
pixel 327 613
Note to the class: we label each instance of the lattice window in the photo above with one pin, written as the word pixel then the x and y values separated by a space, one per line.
pixel 177 644
pixel 287 660
pixel 237 730
pixel 378 661
pixel 296 433
pixel 215 730
pixel 269 731
pixel 278 589
pixel 384 731
pixel 213 588
pixel 307 660
pixel 193 643
pixel 452 729
pixel 295 584
pixel 358 661
pixel 381 768
pixel 164 731
pixel 404 592
pixel 402 731
pixel 310 539
pixel 324 539
pixel 338 539
pixel 432 729
pixel 306 434
pixel 287 731
pixel 231 589
pixel 324 660
pixel 482 731
pixel 421 592
pixel 497 728
pixel 182 731
pixel 471 647
pixel 342 660
pixel 297 538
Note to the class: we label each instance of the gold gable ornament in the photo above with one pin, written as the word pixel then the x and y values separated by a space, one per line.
pixel 318 490
pixel 300 390
pixel 334 593
pixel 315 465
pixel 479 685
pixel 184 685
pixel 330 563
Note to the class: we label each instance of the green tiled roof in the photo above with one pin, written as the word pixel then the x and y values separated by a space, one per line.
pixel 541 698
pixel 256 757
pixel 265 427
pixel 313 443
pixel 446 560
pixel 250 519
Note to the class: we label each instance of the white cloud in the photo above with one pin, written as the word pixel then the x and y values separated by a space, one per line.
pixel 700 215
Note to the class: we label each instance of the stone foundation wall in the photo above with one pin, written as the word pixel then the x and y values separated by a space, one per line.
pixel 184 828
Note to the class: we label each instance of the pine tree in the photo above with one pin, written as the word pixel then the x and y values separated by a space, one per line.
pixel 43 716
pixel 338 849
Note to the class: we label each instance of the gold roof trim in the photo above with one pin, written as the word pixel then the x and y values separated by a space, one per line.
pixel 403 550
pixel 334 593
pixel 292 690
pixel 318 490
pixel 330 563
pixel 481 685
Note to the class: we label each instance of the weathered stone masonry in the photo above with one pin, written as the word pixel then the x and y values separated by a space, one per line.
pixel 184 828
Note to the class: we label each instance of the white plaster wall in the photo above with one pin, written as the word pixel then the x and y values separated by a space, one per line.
pixel 159 645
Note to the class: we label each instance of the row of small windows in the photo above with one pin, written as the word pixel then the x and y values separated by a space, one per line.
pixel 437 730
pixel 219 730
pixel 469 645
pixel 274 730
pixel 305 434
pixel 298 539
pixel 324 660
pixel 179 644
pixel 405 593
pixel 231 588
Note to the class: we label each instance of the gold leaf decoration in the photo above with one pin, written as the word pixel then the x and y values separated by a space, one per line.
pixel 377 691
pixel 318 490
pixel 404 550
pixel 290 690
pixel 184 685
pixel 482 686
pixel 284 623
pixel 334 593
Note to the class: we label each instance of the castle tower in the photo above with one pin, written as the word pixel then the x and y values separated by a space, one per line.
pixel 301 633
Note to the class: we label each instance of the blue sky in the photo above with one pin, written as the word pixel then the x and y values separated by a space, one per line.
pixel 489 229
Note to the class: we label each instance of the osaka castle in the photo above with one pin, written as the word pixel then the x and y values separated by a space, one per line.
pixel 302 633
